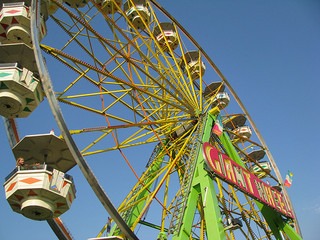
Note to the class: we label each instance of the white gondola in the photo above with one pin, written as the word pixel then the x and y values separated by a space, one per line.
pixel 76 3
pixel 20 91
pixel 47 7
pixel 19 53
pixel 45 148
pixel 257 154
pixel 243 132
pixel 15 24
pixel 257 170
pixel 182 130
pixel 109 6
pixel 221 100
pixel 39 193
pixel 137 13
pixel 191 64
pixel 166 36
pixel 40 189
pixel 212 89
pixel 51 6
pixel 234 121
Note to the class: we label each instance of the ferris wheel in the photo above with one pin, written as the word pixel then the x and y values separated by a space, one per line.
pixel 131 90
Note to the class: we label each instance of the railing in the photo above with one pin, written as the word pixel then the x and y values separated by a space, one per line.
pixel 37 167
pixel 14 4
pixel 11 174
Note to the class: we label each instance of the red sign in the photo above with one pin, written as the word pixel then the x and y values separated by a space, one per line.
pixel 241 178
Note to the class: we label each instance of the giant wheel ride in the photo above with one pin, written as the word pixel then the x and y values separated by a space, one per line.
pixel 131 89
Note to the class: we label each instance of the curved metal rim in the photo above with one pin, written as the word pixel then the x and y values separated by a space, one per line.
pixel 55 109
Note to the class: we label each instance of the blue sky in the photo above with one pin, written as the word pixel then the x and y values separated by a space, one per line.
pixel 269 51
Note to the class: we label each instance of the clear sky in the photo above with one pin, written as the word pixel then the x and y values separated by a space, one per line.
pixel 270 53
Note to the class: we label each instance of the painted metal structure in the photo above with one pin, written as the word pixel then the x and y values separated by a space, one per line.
pixel 138 81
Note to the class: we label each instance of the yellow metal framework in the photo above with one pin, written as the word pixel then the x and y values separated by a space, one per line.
pixel 122 91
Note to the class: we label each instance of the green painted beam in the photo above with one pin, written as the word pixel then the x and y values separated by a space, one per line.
pixel 202 185
pixel 273 218
pixel 185 230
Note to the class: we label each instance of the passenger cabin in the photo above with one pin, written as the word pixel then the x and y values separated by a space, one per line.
pixel 261 171
pixel 221 100
pixel 76 3
pixel 234 121
pixel 47 7
pixel 212 89
pixel 192 66
pixel 20 88
pixel 15 22
pixel 241 133
pixel 40 189
pixel 166 36
pixel 137 13
pixel 19 53
pixel 39 192
pixel 182 130
pixel 109 6
pixel 50 7
pixel 20 91
pixel 257 154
